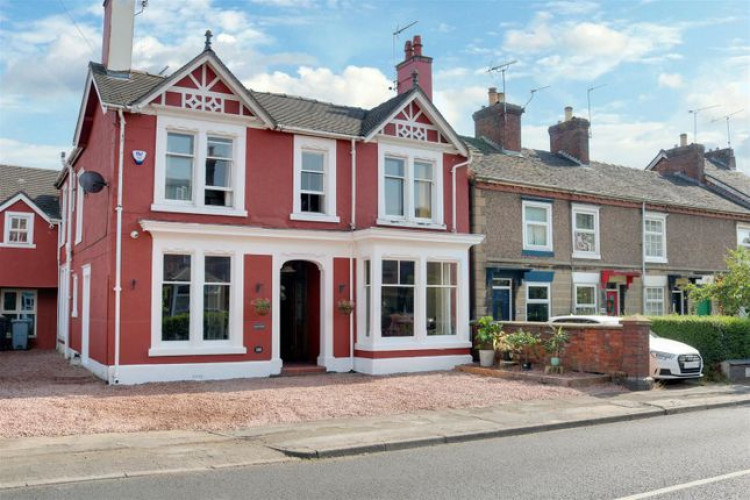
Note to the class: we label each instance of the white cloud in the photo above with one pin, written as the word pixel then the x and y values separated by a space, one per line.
pixel 13 152
pixel 288 4
pixel 670 80
pixel 578 7
pixel 458 104
pixel 355 86
pixel 445 28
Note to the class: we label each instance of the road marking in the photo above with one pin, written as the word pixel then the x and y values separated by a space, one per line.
pixel 691 484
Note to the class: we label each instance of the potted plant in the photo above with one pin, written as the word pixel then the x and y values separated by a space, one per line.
pixel 522 342
pixel 345 306
pixel 487 334
pixel 262 306
pixel 555 345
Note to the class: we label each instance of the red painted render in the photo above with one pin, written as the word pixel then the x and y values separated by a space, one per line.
pixel 410 354
pixel 340 320
pixel 29 267
pixel 258 271
pixel 46 318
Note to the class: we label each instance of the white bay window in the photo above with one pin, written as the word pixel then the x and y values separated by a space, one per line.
pixel 199 167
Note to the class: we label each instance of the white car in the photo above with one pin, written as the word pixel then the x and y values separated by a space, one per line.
pixel 669 359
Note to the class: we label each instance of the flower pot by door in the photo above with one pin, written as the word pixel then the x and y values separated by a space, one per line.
pixel 486 357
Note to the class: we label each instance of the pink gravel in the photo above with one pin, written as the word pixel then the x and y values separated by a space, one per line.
pixel 42 395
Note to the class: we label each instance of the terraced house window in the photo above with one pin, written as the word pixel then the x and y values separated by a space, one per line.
pixel 395 180
pixel 585 232
pixel 585 299
pixel 314 179
pixel 216 298
pixel 19 229
pixel 180 160
pixel 537 226
pixel 537 302
pixel 175 319
pixel 218 190
pixel 655 237
pixel 654 301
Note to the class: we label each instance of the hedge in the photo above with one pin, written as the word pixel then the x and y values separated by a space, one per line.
pixel 718 338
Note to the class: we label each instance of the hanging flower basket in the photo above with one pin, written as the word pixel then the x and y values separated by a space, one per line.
pixel 345 306
pixel 262 306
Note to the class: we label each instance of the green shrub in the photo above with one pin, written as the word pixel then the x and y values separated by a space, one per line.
pixel 718 338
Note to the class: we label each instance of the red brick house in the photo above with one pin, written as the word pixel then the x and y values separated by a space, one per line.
pixel 29 221
pixel 234 229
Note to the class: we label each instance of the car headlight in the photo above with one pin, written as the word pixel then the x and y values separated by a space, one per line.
pixel 662 355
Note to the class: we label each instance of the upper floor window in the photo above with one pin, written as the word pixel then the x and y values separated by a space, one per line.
pixel 314 179
pixel 537 226
pixel 655 237
pixel 200 167
pixel 19 229
pixel 410 186
pixel 585 232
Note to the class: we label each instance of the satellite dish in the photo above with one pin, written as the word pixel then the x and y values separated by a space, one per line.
pixel 91 182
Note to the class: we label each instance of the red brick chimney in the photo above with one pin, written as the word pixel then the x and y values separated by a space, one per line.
pixel 686 159
pixel 570 137
pixel 415 68
pixel 723 158
pixel 500 122
pixel 117 41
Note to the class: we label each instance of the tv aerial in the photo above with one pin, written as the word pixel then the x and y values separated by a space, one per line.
pixel 502 68
pixel 588 101
pixel 726 118
pixel 695 112
pixel 532 93
pixel 396 33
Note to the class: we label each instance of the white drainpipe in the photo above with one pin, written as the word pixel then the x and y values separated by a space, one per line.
pixel 353 226
pixel 118 250
pixel 643 258
pixel 68 257
pixel 453 175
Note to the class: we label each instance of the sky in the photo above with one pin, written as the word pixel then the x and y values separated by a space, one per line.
pixel 649 62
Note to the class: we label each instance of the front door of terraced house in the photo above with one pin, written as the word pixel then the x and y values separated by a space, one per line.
pixel 300 312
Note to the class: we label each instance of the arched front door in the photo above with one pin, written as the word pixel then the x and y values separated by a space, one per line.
pixel 300 312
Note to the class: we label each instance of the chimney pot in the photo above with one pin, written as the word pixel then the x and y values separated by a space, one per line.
pixel 683 140
pixel 501 97
pixel 408 50
pixel 417 45
pixel 568 113
pixel 414 61
pixel 117 42
pixel 492 94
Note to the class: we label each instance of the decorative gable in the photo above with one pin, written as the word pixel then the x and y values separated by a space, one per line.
pixel 413 123
pixel 203 89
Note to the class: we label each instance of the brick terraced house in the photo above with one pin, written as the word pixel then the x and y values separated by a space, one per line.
pixel 29 228
pixel 219 232
pixel 568 235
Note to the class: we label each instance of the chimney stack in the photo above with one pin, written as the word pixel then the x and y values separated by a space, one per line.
pixel 500 122
pixel 686 159
pixel 413 62
pixel 723 157
pixel 571 137
pixel 117 43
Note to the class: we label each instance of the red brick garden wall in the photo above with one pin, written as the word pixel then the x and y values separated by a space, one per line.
pixel 598 348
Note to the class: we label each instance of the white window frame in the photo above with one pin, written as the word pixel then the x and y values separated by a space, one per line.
pixel 19 308
pixel 74 301
pixel 200 130
pixel 326 147
pixel 743 230
pixel 648 301
pixel 549 247
pixel 196 345
pixel 444 285
pixel 586 210
pixel 655 217
pixel 29 218
pixel 547 301
pixel 409 155
pixel 576 304
pixel 79 209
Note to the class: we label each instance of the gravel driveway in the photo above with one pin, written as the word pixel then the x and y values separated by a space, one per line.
pixel 42 395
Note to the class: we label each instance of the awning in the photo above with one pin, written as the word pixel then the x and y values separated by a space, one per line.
pixel 546 276
pixel 609 273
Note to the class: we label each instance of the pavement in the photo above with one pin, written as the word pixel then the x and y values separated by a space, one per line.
pixel 37 461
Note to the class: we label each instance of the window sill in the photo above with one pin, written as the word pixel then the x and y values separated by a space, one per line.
pixel 411 343
pixel 195 351
pixel 410 224
pixel 538 253
pixel 190 209
pixel 311 217
pixel 17 245
pixel 656 260
pixel 591 256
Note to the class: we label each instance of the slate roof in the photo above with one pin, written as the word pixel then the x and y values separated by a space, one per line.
pixel 36 183
pixel 119 90
pixel 543 169
pixel 736 180
pixel 286 110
